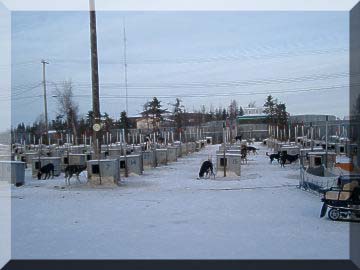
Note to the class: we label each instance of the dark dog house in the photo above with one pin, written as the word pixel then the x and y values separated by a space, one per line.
pixel 13 172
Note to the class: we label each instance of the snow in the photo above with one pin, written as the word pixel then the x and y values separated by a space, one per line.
pixel 168 214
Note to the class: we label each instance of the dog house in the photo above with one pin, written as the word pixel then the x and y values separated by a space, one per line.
pixel 161 157
pixel 7 157
pixel 178 151
pixel 13 172
pixel 103 172
pixel 304 157
pixel 191 147
pixel 114 153
pixel 232 163
pixel 172 154
pixel 351 150
pixel 318 159
pixel 78 149
pixel 28 157
pixel 197 146
pixel 340 149
pixel 73 159
pixel 183 149
pixel 290 150
pixel 278 145
pixel 38 163
pixel 91 156
pixel 148 159
pixel 134 164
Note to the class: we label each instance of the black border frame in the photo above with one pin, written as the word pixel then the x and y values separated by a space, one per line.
pixel 352 264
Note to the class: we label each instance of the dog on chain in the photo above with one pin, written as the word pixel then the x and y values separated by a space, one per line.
pixel 70 170
pixel 286 157
pixel 274 156
pixel 48 170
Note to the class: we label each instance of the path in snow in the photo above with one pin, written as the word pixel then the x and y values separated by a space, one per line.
pixel 167 214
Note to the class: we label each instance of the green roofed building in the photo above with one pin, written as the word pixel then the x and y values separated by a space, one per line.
pixel 252 126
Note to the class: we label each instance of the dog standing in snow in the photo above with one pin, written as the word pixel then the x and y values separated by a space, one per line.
pixel 206 169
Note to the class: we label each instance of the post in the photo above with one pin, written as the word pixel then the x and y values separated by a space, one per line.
pixel 95 79
pixel 312 136
pixel 45 102
pixel 326 140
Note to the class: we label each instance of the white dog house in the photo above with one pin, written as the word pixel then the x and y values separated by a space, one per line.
pixel 317 159
pixel 172 154
pixel 232 163
pixel 290 150
pixel 191 147
pixel 103 172
pixel 13 172
pixel 37 164
pixel 161 157
pixel 340 149
pixel 134 164
pixel 184 151
pixel 148 159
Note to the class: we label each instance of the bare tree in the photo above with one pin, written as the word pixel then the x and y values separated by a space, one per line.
pixel 67 106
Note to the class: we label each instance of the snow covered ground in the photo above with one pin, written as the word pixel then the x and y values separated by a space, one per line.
pixel 168 214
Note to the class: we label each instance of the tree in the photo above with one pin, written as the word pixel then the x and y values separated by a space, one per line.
pixel 224 114
pixel 153 111
pixel 233 110
pixel 178 114
pixel 67 106
pixel 270 109
pixel 124 122
pixel 241 111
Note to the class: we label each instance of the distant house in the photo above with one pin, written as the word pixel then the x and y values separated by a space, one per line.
pixel 253 124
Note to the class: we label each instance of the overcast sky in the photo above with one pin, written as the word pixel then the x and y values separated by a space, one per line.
pixel 204 58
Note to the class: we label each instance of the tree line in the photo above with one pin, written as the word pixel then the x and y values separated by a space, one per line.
pixel 69 121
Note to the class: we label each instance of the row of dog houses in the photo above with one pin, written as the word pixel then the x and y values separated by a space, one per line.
pixel 115 160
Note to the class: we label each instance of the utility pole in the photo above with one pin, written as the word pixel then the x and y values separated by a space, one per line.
pixel 45 103
pixel 326 140
pixel 125 71
pixel 95 82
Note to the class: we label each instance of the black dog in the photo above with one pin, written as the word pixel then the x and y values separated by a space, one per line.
pixel 286 157
pixel 70 170
pixel 251 149
pixel 238 138
pixel 274 156
pixel 206 168
pixel 48 170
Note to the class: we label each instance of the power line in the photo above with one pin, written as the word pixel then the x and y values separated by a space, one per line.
pixel 115 85
pixel 211 95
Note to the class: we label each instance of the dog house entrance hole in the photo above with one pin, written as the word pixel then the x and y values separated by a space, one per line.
pixel 37 165
pixel 95 169
pixel 342 149
pixel 317 161
pixel 222 163
pixel 122 164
